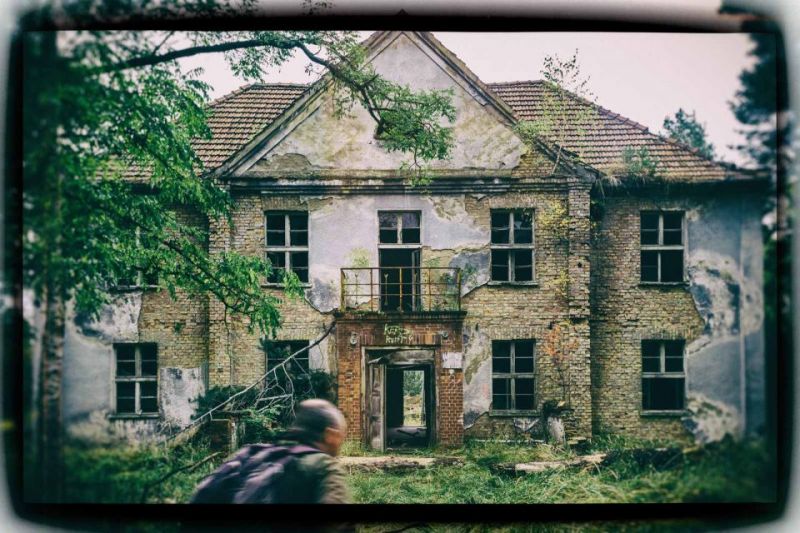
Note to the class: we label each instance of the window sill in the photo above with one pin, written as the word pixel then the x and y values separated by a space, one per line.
pixel 513 283
pixel 134 416
pixel 133 288
pixel 664 414
pixel 280 285
pixel 663 284
pixel 514 414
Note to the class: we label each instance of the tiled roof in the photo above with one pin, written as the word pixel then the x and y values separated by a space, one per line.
pixel 236 118
pixel 239 116
pixel 606 135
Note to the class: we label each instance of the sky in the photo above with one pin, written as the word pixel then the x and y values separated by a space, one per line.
pixel 643 76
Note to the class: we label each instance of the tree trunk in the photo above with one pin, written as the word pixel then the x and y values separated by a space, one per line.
pixel 50 460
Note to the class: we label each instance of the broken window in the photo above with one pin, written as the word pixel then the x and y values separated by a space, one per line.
pixel 661 234
pixel 277 351
pixel 136 378
pixel 663 375
pixel 512 245
pixel 398 227
pixel 287 244
pixel 399 260
pixel 513 375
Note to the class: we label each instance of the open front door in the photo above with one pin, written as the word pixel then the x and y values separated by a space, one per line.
pixel 376 429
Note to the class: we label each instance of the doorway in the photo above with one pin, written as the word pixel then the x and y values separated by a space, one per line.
pixel 399 279
pixel 407 411
pixel 401 399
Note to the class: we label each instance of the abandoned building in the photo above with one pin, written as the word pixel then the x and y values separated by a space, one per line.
pixel 654 284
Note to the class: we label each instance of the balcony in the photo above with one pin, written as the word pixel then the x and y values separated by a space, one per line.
pixel 401 289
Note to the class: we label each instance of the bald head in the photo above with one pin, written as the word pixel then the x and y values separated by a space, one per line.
pixel 318 422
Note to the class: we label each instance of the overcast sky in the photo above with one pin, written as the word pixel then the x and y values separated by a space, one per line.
pixel 644 76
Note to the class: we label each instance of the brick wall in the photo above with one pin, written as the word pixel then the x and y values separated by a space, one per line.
pixel 368 332
pixel 623 312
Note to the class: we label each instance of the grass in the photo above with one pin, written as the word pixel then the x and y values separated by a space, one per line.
pixel 724 472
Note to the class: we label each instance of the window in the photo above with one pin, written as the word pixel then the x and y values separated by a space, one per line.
pixel 136 378
pixel 512 245
pixel 277 351
pixel 663 376
pixel 512 375
pixel 398 227
pixel 138 276
pixel 661 234
pixel 287 244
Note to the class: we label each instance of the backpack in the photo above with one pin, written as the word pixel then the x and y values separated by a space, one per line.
pixel 259 473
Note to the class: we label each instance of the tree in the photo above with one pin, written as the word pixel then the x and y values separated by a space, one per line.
pixel 684 128
pixel 566 106
pixel 110 174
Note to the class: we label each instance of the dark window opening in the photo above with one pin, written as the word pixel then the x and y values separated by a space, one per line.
pixel 287 244
pixel 136 378
pixel 663 375
pixel 513 379
pixel 398 227
pixel 278 351
pixel 661 237
pixel 512 256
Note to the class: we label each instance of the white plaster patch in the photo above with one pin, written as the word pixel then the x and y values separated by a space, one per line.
pixel 179 389
pixel 710 420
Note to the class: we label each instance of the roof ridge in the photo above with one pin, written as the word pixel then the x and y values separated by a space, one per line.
pixel 514 82
pixel 249 86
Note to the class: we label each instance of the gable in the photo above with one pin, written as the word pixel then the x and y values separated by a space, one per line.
pixel 315 139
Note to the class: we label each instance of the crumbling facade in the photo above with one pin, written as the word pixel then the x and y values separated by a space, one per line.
pixel 657 287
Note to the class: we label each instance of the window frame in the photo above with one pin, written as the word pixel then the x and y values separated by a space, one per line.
pixel 662 373
pixel 399 214
pixel 512 246
pixel 288 342
pixel 137 379
pixel 660 247
pixel 288 248
pixel 512 376
pixel 140 280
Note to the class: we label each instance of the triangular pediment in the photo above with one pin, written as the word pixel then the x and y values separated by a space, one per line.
pixel 310 137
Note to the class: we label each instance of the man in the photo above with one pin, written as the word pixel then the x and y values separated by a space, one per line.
pixel 319 424
pixel 306 472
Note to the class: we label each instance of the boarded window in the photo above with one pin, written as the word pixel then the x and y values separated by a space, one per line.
pixel 513 383
pixel 661 237
pixel 512 245
pixel 663 375
pixel 136 378
pixel 287 244
pixel 278 351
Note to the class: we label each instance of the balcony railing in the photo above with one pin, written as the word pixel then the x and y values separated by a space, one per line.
pixel 401 289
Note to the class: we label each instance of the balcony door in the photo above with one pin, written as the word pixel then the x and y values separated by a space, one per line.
pixel 400 283
pixel 399 260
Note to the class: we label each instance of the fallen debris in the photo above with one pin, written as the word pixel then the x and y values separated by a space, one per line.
pixel 542 466
pixel 397 463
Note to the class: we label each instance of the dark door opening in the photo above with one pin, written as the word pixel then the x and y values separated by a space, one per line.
pixel 408 406
pixel 400 279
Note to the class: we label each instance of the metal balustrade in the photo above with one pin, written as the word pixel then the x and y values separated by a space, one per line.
pixel 401 289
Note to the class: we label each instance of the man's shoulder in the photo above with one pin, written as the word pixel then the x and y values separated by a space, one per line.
pixel 317 461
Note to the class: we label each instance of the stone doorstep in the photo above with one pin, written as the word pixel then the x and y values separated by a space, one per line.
pixel 395 462
pixel 541 466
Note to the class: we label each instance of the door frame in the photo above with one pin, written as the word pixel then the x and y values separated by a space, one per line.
pixel 375 362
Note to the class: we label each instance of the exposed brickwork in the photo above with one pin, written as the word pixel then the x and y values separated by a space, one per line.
pixel 624 313
pixel 449 382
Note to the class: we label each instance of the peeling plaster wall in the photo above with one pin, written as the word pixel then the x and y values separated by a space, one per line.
pixel 725 364
pixel 445 226
pixel 323 141
pixel 89 368
pixel 719 314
